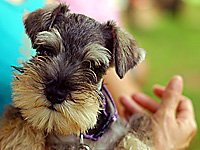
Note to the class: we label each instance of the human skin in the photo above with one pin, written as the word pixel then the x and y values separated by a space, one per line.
pixel 173 120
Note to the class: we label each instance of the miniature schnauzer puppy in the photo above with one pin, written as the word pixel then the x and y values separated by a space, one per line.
pixel 58 93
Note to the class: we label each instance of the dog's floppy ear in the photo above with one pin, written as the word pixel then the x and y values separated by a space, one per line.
pixel 126 54
pixel 43 19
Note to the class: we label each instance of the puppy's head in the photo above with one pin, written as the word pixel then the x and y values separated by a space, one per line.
pixel 60 88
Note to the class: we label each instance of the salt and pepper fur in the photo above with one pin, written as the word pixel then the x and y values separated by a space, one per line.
pixel 57 92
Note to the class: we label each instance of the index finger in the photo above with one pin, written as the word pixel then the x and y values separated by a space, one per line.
pixel 171 96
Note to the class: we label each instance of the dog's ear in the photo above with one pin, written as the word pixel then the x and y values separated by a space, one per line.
pixel 43 19
pixel 125 52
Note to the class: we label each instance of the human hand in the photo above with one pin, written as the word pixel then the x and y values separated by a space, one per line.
pixel 173 122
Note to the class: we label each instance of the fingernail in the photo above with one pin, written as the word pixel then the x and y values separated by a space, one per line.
pixel 176 83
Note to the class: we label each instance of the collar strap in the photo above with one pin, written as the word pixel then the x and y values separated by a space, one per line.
pixel 106 117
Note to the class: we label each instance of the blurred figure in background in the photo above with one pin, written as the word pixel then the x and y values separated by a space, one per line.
pixel 146 13
pixel 141 13
pixel 171 6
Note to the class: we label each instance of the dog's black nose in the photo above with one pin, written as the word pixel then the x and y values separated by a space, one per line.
pixel 55 99
pixel 55 96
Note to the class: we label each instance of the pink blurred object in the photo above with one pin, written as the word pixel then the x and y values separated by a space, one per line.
pixel 101 10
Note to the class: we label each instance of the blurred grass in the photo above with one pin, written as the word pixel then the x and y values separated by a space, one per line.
pixel 173 47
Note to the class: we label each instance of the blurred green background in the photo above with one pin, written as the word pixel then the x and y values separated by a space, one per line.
pixel 172 42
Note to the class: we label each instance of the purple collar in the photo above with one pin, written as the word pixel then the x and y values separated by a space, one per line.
pixel 107 116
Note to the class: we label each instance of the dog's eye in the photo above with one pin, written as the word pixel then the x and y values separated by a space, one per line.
pixel 99 70
pixel 87 64
pixel 90 64
pixel 44 52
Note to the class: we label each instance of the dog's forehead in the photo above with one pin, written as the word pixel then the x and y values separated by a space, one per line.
pixel 55 30
pixel 78 30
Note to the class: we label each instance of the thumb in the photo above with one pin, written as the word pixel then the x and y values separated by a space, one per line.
pixel 172 93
